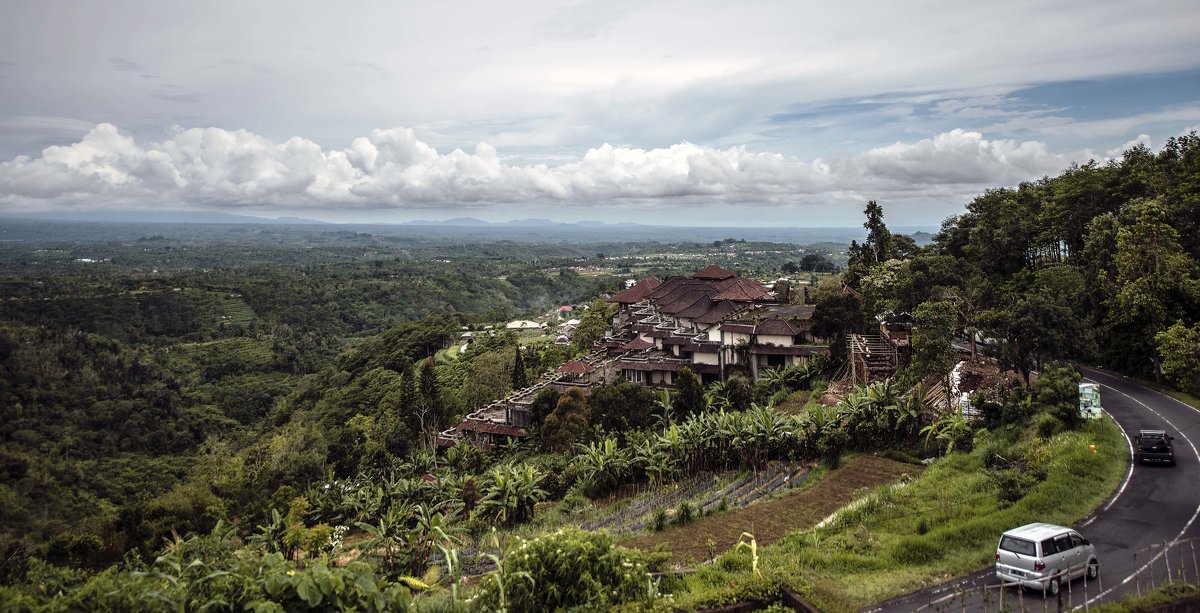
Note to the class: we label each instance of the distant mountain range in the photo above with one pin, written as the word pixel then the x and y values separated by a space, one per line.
pixel 531 230
pixel 471 222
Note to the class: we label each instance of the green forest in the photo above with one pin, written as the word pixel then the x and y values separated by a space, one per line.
pixel 244 418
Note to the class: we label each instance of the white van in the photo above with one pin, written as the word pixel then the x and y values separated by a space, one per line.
pixel 1044 556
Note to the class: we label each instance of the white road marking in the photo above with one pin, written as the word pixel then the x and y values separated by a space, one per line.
pixel 1185 527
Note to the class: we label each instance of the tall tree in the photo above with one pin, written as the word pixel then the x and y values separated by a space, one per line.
pixel 837 313
pixel 933 332
pixel 1156 282
pixel 520 378
pixel 690 398
pixel 569 423
pixel 430 407
pixel 1179 349
pixel 879 239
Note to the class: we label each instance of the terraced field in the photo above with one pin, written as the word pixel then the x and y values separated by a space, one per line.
pixel 234 309
pixel 772 520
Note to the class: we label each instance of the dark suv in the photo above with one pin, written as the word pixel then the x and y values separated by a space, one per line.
pixel 1155 446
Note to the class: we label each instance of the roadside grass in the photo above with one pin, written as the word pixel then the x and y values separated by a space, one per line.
pixel 944 523
pixel 1184 597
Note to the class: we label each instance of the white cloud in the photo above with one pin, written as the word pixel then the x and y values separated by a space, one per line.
pixel 1142 139
pixel 393 169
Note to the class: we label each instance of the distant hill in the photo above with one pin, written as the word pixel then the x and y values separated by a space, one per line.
pixel 87 226
pixel 160 216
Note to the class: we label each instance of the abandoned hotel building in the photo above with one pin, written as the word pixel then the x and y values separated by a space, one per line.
pixel 711 322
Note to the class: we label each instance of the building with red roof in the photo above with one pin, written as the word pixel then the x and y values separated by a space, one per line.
pixel 710 322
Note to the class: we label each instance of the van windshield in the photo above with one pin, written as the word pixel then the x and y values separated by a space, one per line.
pixel 1016 545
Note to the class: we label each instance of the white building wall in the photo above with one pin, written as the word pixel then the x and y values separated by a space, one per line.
pixel 770 339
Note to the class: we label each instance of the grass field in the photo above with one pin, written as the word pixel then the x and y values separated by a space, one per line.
pixel 944 523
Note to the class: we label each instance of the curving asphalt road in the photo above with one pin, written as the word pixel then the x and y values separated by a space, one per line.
pixel 1153 505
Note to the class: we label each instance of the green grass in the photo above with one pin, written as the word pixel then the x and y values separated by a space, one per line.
pixel 943 524
pixel 447 355
pixel 236 309
pixel 1179 593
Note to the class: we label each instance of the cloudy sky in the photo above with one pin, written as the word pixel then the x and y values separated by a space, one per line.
pixel 738 113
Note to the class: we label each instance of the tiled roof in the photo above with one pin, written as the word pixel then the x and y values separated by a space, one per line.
pixel 738 327
pixel 698 308
pixel 637 344
pixel 716 313
pixel 637 293
pixel 576 367
pixel 776 327
pixel 666 287
pixel 713 272
pixel 685 300
pixel 742 291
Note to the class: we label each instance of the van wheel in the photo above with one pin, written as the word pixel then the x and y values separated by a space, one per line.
pixel 1093 570
pixel 1054 586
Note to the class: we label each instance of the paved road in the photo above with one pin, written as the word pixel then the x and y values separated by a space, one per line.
pixel 1155 503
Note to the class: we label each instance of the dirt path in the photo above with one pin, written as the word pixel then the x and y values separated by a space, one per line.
pixel 771 521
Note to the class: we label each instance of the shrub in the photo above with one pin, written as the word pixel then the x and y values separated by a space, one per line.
pixel 1012 484
pixel 916 550
pixel 567 569
pixel 660 519
pixel 683 515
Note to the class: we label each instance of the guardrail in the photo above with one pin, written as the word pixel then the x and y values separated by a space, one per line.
pixel 1003 597
pixel 1163 563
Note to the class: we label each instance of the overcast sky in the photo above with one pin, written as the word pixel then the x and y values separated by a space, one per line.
pixel 736 113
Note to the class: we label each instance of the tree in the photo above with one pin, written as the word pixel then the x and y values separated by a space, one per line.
pixel 1156 281
pixel 487 379
pixel 1057 389
pixel 878 247
pixel 1179 348
pixel 593 325
pixel 836 315
pixel 690 398
pixel 621 407
pixel 542 406
pixel 933 332
pixel 569 423
pixel 430 408
pixel 520 378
